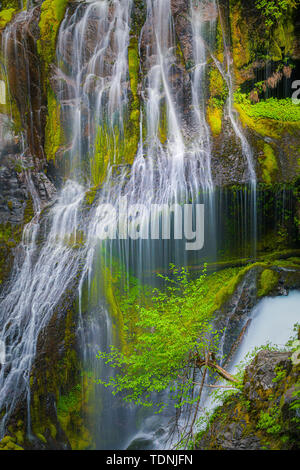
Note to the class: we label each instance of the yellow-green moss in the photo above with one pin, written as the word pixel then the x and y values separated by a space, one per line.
pixel 282 40
pixel 6 16
pixel 90 195
pixel 217 85
pixel 241 50
pixel 267 127
pixel 268 280
pixel 214 118
pixel 132 128
pixel 163 124
pixel 219 42
pixel 54 132
pixel 52 13
pixel 218 93
pixel 9 443
pixel 269 164
pixel 133 67
pixel 112 146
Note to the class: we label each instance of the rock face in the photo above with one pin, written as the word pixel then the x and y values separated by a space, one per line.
pixel 265 414
pixel 20 188
pixel 24 76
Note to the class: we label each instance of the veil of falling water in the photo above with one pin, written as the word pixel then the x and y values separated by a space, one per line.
pixel 94 99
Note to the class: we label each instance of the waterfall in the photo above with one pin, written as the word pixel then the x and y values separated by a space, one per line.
pixel 29 301
pixel 169 166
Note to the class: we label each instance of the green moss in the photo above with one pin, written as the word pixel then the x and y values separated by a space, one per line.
pixel 266 127
pixel 133 67
pixel 90 195
pixel 52 13
pixel 9 443
pixel 54 374
pixel 6 16
pixel 218 94
pixel 115 146
pixel 214 118
pixel 283 110
pixel 53 134
pixel 163 123
pixel 132 128
pixel 269 164
pixel 241 42
pixel 219 42
pixel 268 280
pixel 71 409
pixel 6 4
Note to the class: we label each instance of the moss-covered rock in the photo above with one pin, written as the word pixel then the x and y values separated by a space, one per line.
pixel 6 16
pixel 264 414
pixel 268 280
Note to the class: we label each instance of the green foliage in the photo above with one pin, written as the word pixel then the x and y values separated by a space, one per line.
pixel 268 421
pixel 170 334
pixel 280 375
pixel 274 10
pixel 272 108
pixel 66 402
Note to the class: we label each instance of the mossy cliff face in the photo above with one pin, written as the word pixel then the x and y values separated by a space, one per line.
pixel 25 81
pixel 264 57
pixel 265 414
pixel 60 390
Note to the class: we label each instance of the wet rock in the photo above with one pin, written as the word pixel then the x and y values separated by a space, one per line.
pixel 260 374
pixel 24 74
pixel 262 415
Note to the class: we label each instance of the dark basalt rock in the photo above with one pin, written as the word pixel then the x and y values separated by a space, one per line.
pixel 24 74
pixel 236 424
pixel 259 375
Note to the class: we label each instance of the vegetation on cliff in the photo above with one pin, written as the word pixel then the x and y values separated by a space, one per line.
pixel 263 413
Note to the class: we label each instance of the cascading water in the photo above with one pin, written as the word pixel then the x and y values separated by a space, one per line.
pixel 169 165
pixel 29 301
